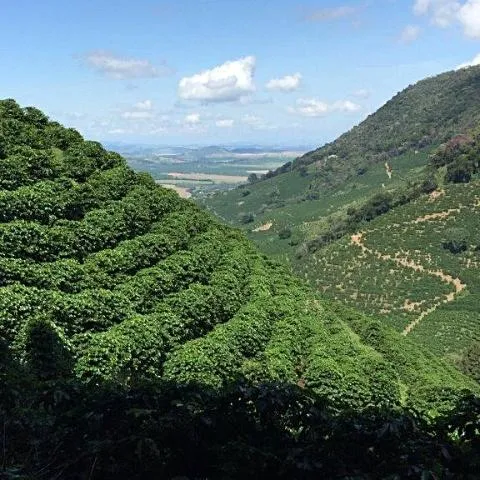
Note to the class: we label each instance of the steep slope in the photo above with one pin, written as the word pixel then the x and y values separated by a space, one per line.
pixel 107 277
pixel 381 155
pixel 417 267
pixel 406 164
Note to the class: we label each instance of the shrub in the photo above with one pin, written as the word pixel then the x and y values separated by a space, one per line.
pixel 455 240
pixel 285 233
pixel 247 218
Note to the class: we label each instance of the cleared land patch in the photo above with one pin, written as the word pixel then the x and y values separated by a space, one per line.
pixel 209 176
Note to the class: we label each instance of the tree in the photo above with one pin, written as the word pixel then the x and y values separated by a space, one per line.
pixel 247 218
pixel 455 240
pixel 47 353
pixel 285 233
pixel 252 178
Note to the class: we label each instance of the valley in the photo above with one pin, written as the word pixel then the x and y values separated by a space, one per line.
pixel 201 171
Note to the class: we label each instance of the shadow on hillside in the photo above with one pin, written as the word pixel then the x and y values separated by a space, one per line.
pixel 61 429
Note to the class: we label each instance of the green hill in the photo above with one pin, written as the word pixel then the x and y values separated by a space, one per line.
pixel 313 192
pixel 112 286
pixel 410 159
pixel 425 114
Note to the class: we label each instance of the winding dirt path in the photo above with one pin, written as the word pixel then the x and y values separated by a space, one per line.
pixel 358 240
pixel 263 228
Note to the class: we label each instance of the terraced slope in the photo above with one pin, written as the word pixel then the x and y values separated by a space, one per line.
pixel 107 278
pixel 400 268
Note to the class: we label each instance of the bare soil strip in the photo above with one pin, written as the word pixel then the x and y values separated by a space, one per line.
pixel 263 228
pixel 358 240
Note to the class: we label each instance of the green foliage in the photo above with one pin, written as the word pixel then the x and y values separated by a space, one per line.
pixel 456 240
pixel 47 353
pixel 138 333
pixel 247 218
pixel 285 233
pixel 470 363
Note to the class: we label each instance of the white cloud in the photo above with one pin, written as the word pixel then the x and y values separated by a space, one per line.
pixel 192 119
pixel 145 105
pixel 410 33
pixel 137 115
pixel 444 13
pixel 257 123
pixel 469 17
pixel 289 83
pixel 228 82
pixel 227 123
pixel 121 67
pixel 472 63
pixel 312 107
pixel 331 13
pixel 362 93
pixel 345 106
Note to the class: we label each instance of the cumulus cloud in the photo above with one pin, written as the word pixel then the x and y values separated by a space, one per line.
pixel 409 34
pixel 345 106
pixel 444 13
pixel 472 63
pixel 145 105
pixel 192 119
pixel 140 111
pixel 312 107
pixel 119 67
pixel 289 83
pixel 225 83
pixel 331 13
pixel 226 123
pixel 362 93
pixel 469 17
pixel 137 115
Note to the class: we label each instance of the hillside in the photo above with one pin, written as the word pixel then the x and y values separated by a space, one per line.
pixel 417 267
pixel 310 194
pixel 425 114
pixel 112 287
pixel 372 237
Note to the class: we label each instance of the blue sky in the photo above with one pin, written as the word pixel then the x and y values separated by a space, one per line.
pixel 222 71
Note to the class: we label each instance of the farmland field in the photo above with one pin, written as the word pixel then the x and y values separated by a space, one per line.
pixel 197 172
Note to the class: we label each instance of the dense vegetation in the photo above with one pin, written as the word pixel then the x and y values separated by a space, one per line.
pixel 348 217
pixel 425 114
pixel 385 160
pixel 138 336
